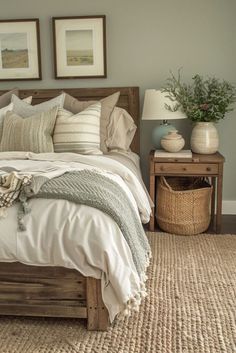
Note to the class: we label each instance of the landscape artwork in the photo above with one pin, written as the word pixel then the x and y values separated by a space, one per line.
pixel 14 50
pixel 79 47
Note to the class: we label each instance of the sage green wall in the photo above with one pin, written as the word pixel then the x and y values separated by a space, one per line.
pixel 146 39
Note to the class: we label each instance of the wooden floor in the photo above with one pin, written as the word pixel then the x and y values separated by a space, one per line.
pixel 228 225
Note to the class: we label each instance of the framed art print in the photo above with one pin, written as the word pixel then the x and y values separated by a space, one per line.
pixel 79 47
pixel 20 50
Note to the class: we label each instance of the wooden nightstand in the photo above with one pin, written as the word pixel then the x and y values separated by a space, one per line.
pixel 199 165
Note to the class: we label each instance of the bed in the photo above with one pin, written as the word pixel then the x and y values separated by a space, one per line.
pixel 55 291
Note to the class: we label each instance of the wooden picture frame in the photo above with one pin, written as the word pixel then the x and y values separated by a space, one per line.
pixel 20 57
pixel 79 47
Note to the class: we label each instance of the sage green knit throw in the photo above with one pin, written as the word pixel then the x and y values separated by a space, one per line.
pixel 93 189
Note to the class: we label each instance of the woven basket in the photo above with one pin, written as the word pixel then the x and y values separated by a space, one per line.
pixel 183 205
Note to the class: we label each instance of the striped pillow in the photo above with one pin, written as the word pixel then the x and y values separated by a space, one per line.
pixel 9 107
pixel 79 133
pixel 107 105
pixel 32 134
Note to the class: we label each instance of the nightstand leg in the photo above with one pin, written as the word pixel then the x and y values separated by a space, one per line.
pixel 219 199
pixel 152 195
pixel 213 199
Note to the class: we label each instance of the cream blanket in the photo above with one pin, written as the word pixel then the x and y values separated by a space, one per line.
pixel 76 236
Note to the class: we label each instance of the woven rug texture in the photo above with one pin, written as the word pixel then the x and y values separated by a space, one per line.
pixel 190 308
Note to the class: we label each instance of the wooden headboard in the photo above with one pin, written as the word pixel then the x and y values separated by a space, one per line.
pixel 129 100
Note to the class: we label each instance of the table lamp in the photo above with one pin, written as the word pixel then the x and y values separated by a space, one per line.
pixel 154 109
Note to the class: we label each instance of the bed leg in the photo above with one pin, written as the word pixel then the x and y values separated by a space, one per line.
pixel 97 314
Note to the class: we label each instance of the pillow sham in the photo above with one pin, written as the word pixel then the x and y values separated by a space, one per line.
pixel 121 130
pixel 32 134
pixel 78 133
pixel 26 110
pixel 5 98
pixel 107 105
pixel 28 100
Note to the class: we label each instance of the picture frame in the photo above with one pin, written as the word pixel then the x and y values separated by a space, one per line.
pixel 79 47
pixel 20 56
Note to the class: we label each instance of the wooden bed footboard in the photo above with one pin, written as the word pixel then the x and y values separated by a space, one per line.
pixel 51 292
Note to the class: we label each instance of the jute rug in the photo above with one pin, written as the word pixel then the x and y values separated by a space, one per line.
pixel 191 307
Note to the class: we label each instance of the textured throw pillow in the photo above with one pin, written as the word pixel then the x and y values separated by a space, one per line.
pixel 8 108
pixel 32 134
pixel 3 112
pixel 121 130
pixel 5 98
pixel 108 103
pixel 25 110
pixel 78 133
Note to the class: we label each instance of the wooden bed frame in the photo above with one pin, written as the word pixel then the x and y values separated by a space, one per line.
pixel 56 291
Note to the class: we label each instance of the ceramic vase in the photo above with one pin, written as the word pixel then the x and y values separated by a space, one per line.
pixel 172 142
pixel 204 138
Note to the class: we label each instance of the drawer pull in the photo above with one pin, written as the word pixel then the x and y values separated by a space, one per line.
pixel 162 168
pixel 184 169
pixel 208 169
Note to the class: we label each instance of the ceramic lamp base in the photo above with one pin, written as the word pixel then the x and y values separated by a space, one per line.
pixel 160 131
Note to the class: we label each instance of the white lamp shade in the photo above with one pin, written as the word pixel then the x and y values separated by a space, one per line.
pixel 154 106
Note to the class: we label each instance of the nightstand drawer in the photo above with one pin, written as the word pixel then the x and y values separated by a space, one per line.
pixel 188 168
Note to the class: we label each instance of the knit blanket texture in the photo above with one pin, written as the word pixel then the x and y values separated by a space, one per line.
pixel 93 189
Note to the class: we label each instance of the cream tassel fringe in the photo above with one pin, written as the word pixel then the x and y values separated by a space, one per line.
pixel 134 302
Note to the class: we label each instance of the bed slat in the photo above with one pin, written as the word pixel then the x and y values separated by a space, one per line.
pixel 47 309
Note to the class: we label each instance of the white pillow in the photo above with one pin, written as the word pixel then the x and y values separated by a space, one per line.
pixel 25 110
pixel 28 100
pixel 9 107
pixel 121 130
pixel 79 133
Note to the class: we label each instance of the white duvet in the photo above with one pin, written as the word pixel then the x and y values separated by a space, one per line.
pixel 61 233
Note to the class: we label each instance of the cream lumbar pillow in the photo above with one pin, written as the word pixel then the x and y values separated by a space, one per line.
pixel 79 133
pixel 32 134
pixel 25 110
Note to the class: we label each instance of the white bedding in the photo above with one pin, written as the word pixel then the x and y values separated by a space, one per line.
pixel 61 233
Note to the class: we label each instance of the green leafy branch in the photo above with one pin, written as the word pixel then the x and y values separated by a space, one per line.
pixel 203 100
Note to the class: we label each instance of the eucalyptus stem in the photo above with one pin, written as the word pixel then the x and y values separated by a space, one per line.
pixel 203 100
